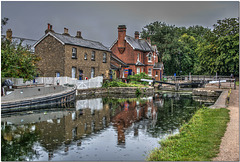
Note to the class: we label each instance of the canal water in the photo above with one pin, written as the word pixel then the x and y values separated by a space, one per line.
pixel 106 128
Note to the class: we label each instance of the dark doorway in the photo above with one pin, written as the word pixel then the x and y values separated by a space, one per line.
pixel 80 74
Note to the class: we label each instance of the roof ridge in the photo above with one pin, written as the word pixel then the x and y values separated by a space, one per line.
pixel 21 38
pixel 79 38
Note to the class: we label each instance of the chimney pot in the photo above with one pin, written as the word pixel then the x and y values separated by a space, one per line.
pixel 136 35
pixel 66 31
pixel 79 34
pixel 49 29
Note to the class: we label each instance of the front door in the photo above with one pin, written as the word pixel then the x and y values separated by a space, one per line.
pixel 80 75
pixel 129 71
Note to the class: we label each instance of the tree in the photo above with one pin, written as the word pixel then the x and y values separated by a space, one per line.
pixel 220 52
pixel 176 46
pixel 17 61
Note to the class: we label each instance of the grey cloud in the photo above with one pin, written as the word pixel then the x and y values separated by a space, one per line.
pixel 99 20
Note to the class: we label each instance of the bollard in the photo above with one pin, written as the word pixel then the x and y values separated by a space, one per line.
pixel 219 85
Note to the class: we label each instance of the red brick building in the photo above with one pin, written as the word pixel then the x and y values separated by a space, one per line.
pixel 138 54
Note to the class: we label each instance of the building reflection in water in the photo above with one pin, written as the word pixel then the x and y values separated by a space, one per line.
pixel 132 112
pixel 155 116
pixel 91 116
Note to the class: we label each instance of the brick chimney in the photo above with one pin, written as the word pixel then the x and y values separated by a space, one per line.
pixel 66 31
pixel 9 35
pixel 49 29
pixel 136 35
pixel 79 34
pixel 121 37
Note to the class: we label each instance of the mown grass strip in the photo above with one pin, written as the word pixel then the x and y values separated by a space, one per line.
pixel 198 140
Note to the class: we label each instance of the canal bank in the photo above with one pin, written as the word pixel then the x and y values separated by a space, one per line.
pixel 189 145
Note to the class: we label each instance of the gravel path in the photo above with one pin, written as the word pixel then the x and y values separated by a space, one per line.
pixel 229 148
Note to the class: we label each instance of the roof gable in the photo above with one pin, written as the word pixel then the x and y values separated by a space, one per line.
pixel 138 44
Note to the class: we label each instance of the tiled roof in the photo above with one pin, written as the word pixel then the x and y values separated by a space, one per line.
pixel 28 43
pixel 138 44
pixel 65 39
pixel 114 67
pixel 114 57
pixel 158 65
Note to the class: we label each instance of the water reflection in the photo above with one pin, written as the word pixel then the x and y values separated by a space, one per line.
pixel 98 129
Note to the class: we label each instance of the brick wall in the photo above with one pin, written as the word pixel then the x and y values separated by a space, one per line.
pixel 85 65
pixel 57 58
pixel 52 57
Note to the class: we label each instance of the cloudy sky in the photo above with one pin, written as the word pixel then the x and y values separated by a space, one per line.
pixel 99 20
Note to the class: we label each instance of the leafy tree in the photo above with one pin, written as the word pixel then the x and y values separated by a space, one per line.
pixel 176 46
pixel 220 50
pixel 17 61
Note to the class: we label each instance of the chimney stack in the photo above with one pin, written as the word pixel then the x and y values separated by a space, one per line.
pixel 9 35
pixel 121 38
pixel 79 34
pixel 66 31
pixel 136 35
pixel 49 29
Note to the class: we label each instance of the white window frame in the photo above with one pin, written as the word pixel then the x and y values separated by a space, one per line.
pixel 138 58
pixel 149 57
pixel 85 56
pixel 104 57
pixel 92 72
pixel 138 70
pixel 149 72
pixel 93 56
pixel 74 52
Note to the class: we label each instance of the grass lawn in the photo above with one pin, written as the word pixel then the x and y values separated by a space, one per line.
pixel 198 140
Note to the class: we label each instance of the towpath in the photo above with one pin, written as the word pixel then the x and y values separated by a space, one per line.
pixel 229 148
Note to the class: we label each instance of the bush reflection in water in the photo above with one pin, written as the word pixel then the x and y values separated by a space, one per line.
pixel 55 132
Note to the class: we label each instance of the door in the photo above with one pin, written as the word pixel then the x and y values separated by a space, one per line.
pixel 80 75
pixel 129 71
pixel 73 72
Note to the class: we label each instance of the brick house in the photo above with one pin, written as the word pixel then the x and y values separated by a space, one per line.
pixel 117 66
pixel 65 55
pixel 138 54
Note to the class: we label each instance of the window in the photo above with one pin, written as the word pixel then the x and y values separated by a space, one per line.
pixel 93 56
pixel 142 70
pixel 104 57
pixel 138 58
pixel 85 56
pixel 150 72
pixel 150 58
pixel 73 72
pixel 74 52
pixel 92 72
pixel 138 70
